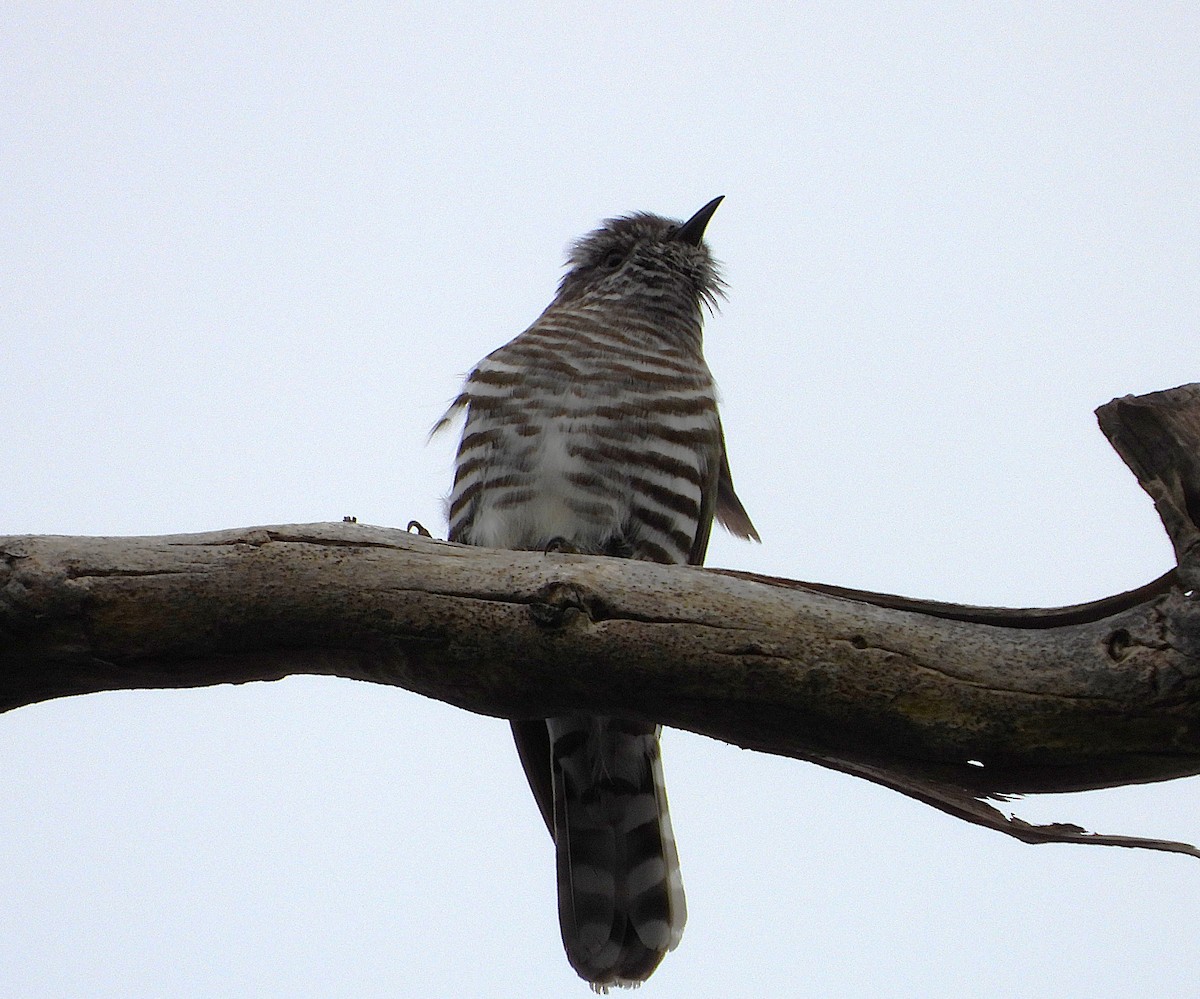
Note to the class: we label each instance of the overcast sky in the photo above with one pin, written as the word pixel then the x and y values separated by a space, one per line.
pixel 248 255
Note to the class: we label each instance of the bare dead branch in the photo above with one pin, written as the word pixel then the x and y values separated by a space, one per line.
pixel 1158 437
pixel 947 704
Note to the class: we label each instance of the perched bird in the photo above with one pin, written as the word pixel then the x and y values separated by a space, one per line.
pixel 596 430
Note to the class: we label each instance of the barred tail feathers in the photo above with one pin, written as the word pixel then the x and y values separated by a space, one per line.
pixel 621 903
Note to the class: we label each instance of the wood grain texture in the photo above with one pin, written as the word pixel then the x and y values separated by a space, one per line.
pixel 873 690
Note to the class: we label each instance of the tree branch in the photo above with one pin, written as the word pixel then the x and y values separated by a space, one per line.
pixel 1158 437
pixel 945 703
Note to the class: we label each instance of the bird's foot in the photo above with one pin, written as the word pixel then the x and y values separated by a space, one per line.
pixel 561 546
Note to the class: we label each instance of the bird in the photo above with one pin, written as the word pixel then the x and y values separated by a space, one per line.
pixel 596 431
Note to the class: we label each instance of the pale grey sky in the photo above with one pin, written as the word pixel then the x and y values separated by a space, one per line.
pixel 250 251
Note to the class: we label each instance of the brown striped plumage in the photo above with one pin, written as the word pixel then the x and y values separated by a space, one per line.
pixel 598 427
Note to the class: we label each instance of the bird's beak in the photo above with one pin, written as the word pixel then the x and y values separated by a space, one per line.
pixel 692 231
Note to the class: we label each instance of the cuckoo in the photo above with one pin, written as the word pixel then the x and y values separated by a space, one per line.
pixel 596 431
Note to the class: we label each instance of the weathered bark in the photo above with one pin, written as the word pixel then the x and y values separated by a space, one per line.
pixel 1158 436
pixel 946 703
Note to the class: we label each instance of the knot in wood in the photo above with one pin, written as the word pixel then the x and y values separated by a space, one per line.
pixel 557 605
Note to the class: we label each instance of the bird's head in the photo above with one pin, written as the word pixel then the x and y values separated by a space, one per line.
pixel 645 259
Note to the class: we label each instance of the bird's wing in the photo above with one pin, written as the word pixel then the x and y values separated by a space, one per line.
pixel 731 515
pixel 718 500
pixel 533 747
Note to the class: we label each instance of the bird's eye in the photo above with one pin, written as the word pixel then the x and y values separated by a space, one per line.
pixel 612 260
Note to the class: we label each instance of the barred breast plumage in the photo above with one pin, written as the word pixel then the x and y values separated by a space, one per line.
pixel 597 428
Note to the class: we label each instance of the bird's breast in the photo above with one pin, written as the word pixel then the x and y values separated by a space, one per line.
pixel 610 451
pixel 542 486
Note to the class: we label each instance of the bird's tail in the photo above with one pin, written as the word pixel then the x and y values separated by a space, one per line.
pixel 620 894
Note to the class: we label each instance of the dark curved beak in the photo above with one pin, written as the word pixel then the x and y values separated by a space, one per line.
pixel 692 231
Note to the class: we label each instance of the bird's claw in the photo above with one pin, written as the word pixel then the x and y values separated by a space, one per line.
pixel 561 546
